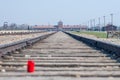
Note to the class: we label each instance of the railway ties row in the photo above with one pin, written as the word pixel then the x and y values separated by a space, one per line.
pixel 60 56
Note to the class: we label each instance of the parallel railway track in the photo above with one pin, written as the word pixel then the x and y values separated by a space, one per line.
pixel 61 56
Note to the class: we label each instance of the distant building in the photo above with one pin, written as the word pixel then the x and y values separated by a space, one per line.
pixel 60 24
pixel 118 28
pixel 71 28
pixel 109 27
pixel 60 27
pixel 45 27
pixel 13 26
pixel 24 27
pixel 96 28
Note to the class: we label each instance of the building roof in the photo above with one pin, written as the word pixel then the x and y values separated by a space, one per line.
pixel 64 26
pixel 44 26
pixel 70 26
pixel 110 25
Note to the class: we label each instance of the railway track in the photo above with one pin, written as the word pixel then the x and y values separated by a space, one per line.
pixel 61 57
pixel 19 32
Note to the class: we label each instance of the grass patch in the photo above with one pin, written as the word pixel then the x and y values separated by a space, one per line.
pixel 95 33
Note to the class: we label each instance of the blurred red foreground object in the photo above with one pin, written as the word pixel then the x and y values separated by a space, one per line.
pixel 30 66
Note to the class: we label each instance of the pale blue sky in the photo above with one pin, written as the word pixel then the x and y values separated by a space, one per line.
pixel 51 11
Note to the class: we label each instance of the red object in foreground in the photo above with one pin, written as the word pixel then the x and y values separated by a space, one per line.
pixel 30 66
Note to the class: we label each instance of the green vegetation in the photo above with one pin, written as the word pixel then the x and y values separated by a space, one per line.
pixel 98 34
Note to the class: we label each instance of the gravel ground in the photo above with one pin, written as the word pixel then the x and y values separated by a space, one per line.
pixel 55 78
pixel 6 39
